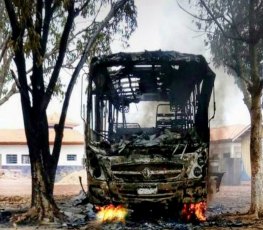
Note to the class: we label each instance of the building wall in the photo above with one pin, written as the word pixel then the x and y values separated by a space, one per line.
pixel 226 157
pixel 71 158
pixel 66 150
pixel 19 150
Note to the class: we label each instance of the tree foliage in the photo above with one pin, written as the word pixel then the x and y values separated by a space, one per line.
pixel 227 26
pixel 7 84
pixel 234 32
pixel 47 36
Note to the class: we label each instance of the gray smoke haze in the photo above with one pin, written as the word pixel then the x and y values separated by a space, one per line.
pixel 230 108
pixel 172 29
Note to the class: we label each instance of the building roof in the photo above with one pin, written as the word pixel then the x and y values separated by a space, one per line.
pixel 54 119
pixel 246 130
pixel 17 137
pixel 224 133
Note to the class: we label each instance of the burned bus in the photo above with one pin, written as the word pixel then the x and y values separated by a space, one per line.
pixel 147 128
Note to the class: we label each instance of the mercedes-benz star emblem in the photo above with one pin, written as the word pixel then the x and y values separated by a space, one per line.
pixel 146 173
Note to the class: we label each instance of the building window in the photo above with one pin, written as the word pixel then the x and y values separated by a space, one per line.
pixel 11 159
pixel 71 157
pixel 25 159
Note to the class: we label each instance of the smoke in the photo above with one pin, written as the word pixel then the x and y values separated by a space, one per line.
pixel 143 113
pixel 230 108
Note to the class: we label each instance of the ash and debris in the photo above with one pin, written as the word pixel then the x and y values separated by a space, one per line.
pixel 162 137
pixel 230 201
pixel 151 138
pixel 155 221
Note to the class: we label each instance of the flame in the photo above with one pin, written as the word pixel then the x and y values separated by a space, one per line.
pixel 197 210
pixel 110 213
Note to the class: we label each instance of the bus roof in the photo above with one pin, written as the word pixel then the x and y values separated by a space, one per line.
pixel 149 75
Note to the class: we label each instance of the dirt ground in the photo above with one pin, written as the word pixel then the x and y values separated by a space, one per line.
pixel 223 211
pixel 14 184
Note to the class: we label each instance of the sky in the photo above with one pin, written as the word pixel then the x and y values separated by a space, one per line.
pixel 161 26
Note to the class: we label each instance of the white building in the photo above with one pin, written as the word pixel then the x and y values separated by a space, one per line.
pixel 14 153
pixel 225 153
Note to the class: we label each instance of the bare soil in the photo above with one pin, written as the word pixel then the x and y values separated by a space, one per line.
pixel 225 210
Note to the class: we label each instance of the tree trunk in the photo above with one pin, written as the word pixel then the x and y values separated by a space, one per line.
pixel 42 170
pixel 42 200
pixel 43 206
pixel 255 90
pixel 256 157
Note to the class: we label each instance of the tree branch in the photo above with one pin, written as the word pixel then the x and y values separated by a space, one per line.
pixel 13 19
pixel 61 55
pixel 89 44
pixel 15 79
pixel 78 10
pixel 10 93
pixel 191 14
pixel 4 47
pixel 219 25
pixel 233 23
pixel 18 84
pixel 4 70
pixel 48 15
pixel 17 36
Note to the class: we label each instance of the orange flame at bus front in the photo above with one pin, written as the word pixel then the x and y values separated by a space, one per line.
pixel 110 213
pixel 197 210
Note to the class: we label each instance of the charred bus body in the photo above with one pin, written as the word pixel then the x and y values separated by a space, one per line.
pixel 147 130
